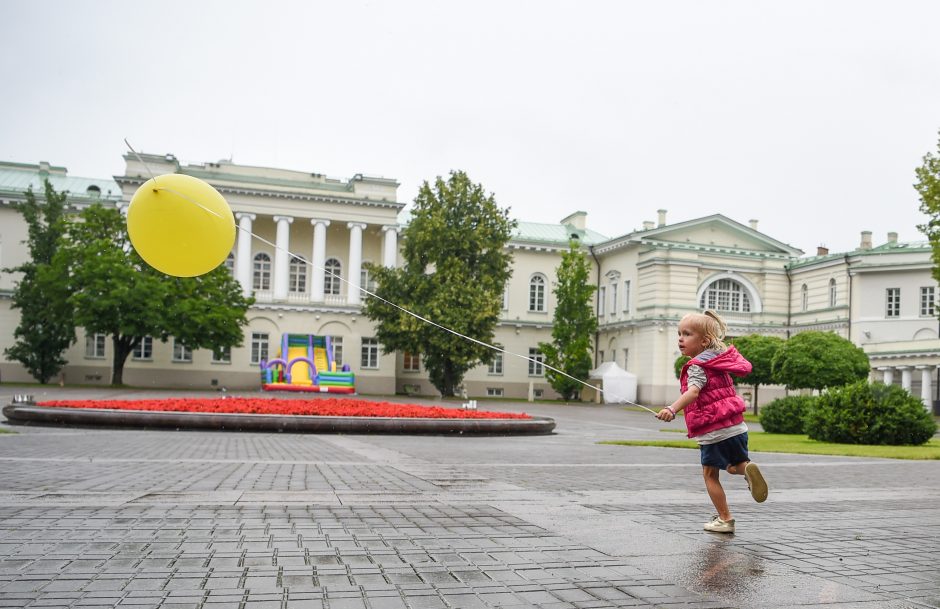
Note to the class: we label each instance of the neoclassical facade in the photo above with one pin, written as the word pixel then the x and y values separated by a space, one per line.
pixel 304 240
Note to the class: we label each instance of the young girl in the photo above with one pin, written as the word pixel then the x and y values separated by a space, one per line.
pixel 714 414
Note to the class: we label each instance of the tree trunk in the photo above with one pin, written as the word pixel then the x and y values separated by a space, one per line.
pixel 755 398
pixel 122 348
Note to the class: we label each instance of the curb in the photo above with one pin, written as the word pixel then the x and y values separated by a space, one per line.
pixel 27 414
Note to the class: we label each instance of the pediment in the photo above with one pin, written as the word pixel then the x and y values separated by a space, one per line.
pixel 716 231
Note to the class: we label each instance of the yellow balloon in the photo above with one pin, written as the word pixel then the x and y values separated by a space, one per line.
pixel 180 225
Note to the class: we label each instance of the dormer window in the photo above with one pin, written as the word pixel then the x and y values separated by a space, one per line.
pixel 93 191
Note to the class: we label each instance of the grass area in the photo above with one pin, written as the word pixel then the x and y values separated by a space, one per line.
pixel 759 441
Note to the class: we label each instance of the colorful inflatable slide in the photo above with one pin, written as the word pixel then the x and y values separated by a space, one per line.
pixel 306 364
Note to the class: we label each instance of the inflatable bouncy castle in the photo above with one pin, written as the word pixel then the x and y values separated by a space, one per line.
pixel 306 364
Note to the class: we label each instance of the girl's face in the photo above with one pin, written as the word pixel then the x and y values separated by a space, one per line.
pixel 691 340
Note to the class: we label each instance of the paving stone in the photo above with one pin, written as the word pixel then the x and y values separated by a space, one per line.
pixel 168 519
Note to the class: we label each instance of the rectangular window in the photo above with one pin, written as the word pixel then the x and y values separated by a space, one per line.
pixel 613 299
pixel 600 356
pixel 536 362
pixel 506 299
pixel 94 346
pixel 366 281
pixel 222 356
pixel 494 392
pixel 181 353
pixel 601 300
pixel 370 353
pixel 927 306
pixel 412 362
pixel 537 393
pixel 893 302
pixel 337 342
pixel 297 275
pixel 496 366
pixel 626 296
pixel 626 358
pixel 144 351
pixel 259 347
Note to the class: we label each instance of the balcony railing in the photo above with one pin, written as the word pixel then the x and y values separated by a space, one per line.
pixel 302 298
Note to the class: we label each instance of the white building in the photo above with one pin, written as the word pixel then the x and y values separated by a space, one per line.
pixel 880 297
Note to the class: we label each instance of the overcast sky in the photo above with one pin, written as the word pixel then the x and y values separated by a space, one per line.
pixel 808 116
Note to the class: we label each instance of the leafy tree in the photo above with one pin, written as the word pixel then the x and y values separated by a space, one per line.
pixel 45 328
pixel 816 360
pixel 928 187
pixel 454 273
pixel 574 324
pixel 679 363
pixel 760 351
pixel 115 292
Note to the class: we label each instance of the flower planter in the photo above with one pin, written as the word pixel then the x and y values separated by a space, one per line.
pixel 331 415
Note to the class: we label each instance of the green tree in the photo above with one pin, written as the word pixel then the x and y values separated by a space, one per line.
pixel 679 363
pixel 760 350
pixel 115 292
pixel 45 328
pixel 816 360
pixel 574 324
pixel 928 187
pixel 454 273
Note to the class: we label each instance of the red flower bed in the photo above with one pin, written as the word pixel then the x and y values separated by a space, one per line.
pixel 324 407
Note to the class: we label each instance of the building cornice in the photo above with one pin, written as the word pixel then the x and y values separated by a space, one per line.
pixel 698 264
pixel 720 250
pixel 281 194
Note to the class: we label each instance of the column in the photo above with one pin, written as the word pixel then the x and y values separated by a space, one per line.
pixel 926 388
pixel 905 378
pixel 243 251
pixel 282 256
pixel 353 294
pixel 888 373
pixel 390 251
pixel 318 258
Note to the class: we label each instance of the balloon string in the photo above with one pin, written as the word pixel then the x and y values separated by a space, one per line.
pixel 408 312
pixel 147 167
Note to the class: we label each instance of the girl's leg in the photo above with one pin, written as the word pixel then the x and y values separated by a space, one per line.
pixel 715 491
pixel 738 468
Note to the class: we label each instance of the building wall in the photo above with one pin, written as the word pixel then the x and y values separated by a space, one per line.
pixel 668 268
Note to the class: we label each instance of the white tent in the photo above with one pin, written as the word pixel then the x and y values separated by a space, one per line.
pixel 619 385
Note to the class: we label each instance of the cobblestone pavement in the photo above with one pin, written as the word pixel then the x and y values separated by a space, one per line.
pixel 130 518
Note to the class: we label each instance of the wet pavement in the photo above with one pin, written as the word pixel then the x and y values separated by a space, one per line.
pixel 132 518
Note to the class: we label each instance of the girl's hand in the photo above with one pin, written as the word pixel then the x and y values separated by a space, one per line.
pixel 665 415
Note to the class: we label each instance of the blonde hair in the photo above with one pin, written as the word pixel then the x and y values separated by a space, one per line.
pixel 711 326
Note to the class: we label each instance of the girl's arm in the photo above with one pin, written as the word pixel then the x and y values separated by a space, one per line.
pixel 669 412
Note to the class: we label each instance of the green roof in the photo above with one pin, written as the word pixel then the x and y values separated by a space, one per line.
pixel 555 233
pixel 892 247
pixel 537 232
pixel 16 178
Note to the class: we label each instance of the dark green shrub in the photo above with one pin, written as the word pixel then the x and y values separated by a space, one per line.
pixel 870 413
pixel 785 415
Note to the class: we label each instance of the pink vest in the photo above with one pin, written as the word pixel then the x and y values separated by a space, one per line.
pixel 718 404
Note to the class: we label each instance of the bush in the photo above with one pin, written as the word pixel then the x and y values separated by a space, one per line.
pixel 785 415
pixel 870 413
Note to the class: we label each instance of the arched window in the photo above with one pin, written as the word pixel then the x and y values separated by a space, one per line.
pixel 832 292
pixel 262 272
pixel 230 263
pixel 726 295
pixel 804 298
pixel 537 293
pixel 332 274
pixel 298 274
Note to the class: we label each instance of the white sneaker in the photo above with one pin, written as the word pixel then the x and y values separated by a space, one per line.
pixel 755 482
pixel 717 525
